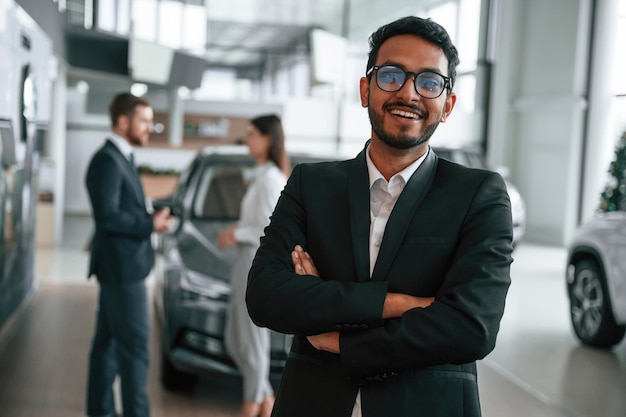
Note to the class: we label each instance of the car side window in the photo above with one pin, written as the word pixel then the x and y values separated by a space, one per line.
pixel 219 193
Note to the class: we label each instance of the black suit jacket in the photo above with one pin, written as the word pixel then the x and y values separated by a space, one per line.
pixel 121 249
pixel 449 236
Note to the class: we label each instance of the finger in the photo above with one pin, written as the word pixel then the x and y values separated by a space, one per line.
pixel 297 264
pixel 308 265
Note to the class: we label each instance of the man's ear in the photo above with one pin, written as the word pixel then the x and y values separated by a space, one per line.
pixel 448 106
pixel 364 88
pixel 123 121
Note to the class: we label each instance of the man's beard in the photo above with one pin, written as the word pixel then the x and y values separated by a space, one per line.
pixel 400 141
pixel 134 138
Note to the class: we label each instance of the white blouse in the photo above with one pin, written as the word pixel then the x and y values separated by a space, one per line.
pixel 258 203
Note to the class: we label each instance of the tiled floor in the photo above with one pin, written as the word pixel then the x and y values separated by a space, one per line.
pixel 537 350
pixel 537 369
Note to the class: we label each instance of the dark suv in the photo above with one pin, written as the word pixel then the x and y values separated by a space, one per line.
pixel 193 276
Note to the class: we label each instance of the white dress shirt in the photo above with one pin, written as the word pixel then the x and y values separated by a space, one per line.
pixel 258 203
pixel 122 144
pixel 383 197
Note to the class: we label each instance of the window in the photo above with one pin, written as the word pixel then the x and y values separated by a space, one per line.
pixel 462 21
pixel 144 15
pixel 170 23
pixel 194 28
pixel 123 17
pixel 220 192
pixel 619 80
pixel 106 16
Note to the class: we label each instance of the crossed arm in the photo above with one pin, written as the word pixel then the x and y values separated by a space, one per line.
pixel 395 304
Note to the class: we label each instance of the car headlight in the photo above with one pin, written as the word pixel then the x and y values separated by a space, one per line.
pixel 197 287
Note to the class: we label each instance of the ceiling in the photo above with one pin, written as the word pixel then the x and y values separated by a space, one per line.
pixel 244 34
pixel 241 33
pixel 241 44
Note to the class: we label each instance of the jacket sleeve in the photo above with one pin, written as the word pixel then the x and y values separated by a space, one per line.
pixel 305 305
pixel 462 324
pixel 115 210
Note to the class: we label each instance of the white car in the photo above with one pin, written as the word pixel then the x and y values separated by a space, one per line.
pixel 596 280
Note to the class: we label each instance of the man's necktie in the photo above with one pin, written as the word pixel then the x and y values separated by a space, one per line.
pixel 132 161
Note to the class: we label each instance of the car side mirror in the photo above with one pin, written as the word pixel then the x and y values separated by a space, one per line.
pixel 166 202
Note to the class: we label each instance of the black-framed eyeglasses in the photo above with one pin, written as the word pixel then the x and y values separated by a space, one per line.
pixel 428 84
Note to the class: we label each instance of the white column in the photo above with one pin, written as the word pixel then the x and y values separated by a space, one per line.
pixel 176 118
pixel 539 108
pixel 58 133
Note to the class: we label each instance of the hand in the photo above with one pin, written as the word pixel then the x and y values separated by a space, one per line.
pixel 302 262
pixel 328 342
pixel 395 304
pixel 226 237
pixel 162 220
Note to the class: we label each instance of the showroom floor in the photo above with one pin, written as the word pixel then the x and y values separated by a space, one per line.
pixel 537 369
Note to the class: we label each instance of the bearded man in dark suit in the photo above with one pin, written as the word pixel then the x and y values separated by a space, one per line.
pixel 391 269
pixel 121 259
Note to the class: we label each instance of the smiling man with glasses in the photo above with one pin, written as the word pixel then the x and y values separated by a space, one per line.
pixel 391 269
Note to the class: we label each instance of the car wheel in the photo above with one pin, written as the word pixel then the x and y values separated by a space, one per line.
pixel 590 307
pixel 173 379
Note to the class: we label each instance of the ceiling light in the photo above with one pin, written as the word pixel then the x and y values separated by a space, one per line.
pixel 139 89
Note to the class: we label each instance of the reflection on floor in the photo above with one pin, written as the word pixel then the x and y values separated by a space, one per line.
pixel 537 369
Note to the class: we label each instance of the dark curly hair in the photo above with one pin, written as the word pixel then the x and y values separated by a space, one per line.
pixel 426 29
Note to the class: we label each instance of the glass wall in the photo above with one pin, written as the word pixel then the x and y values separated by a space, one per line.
pixel 174 23
pixel 619 80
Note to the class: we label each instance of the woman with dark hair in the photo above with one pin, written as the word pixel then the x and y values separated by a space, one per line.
pixel 249 345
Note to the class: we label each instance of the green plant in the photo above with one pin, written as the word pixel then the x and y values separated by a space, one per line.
pixel 613 198
pixel 145 169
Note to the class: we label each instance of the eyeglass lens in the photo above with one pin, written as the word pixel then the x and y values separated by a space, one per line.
pixel 427 84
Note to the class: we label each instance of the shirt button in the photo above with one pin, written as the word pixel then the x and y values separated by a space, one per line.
pixel 377 243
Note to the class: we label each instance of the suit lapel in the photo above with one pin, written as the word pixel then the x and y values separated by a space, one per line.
pixel 359 202
pixel 403 213
pixel 128 169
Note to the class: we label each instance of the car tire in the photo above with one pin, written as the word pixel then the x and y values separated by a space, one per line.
pixel 590 307
pixel 173 379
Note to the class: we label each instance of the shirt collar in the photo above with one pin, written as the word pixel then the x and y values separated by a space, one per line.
pixel 122 144
pixel 406 173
